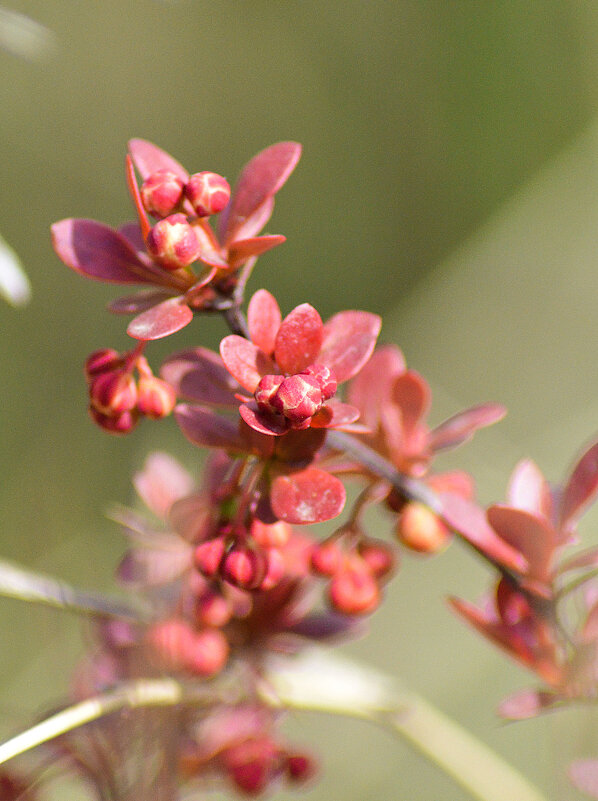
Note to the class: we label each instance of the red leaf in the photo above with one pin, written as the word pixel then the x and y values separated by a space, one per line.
pixel 372 386
pixel 457 482
pixel 349 340
pixel 139 302
pixel 582 485
pixel 299 339
pixel 97 251
pixel 160 321
pixel 161 482
pixel 335 414
pixel 309 496
pixel 149 158
pixel 206 428
pixel 263 319
pixel 250 227
pixel 530 535
pixel 470 522
pixel 411 394
pixel 210 249
pixel 132 233
pixel 245 361
pixel 199 375
pixel 261 178
pixel 462 426
pixel 263 423
pixel 243 249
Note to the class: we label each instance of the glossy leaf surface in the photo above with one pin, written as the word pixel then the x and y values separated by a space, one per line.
pixel 348 342
pixel 308 496
pixel 160 321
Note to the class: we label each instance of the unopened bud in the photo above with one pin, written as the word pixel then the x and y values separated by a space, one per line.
pixel 420 529
pixel 265 392
pixel 326 558
pixel 354 590
pixel 244 567
pixel 101 361
pixel 298 398
pixel 300 767
pixel 271 535
pixel 171 641
pixel 173 242
pixel 161 193
pixel 325 378
pixel 208 653
pixel 113 392
pixel 119 424
pixel 207 556
pixel 276 569
pixel 207 192
pixel 378 556
pixel 155 397
pixel 213 609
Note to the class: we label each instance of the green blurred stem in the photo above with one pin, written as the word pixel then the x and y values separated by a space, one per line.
pixel 320 681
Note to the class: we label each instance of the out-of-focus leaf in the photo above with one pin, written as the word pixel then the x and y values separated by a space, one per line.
pixel 582 486
pixel 199 375
pixel 461 427
pixel 527 704
pixel 14 285
pixel 242 250
pixel 584 775
pixel 411 394
pixel 206 428
pixel 529 490
pixel 24 37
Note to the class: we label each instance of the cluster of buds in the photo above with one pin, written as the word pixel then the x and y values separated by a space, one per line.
pixel 116 398
pixel 297 398
pixel 357 566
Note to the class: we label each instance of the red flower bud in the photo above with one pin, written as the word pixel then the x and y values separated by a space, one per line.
pixel 213 609
pixel 378 556
pixel 265 392
pixel 252 764
pixel 101 361
pixel 173 242
pixel 208 555
pixel 300 767
pixel 273 535
pixel 298 398
pixel 420 529
pixel 207 653
pixel 207 192
pixel 325 378
pixel 156 398
pixel 354 590
pixel 244 567
pixel 118 424
pixel 171 642
pixel 326 558
pixel 113 392
pixel 161 193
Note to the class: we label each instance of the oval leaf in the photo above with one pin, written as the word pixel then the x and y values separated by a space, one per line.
pixel 309 496
pixel 160 321
pixel 371 388
pixel 97 251
pixel 245 361
pixel 530 535
pixel 243 249
pixel 199 375
pixel 263 319
pixel 206 428
pixel 527 704
pixel 348 342
pixel 529 490
pixel 299 339
pixel 139 302
pixel 411 394
pixel 462 426
pixel 149 158
pixel 582 485
pixel 265 424
pixel 261 178
pixel 335 414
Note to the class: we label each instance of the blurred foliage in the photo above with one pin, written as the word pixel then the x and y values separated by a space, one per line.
pixel 419 119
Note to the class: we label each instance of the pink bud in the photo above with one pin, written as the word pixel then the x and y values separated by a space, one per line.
pixel 298 398
pixel 156 398
pixel 244 567
pixel 213 609
pixel 207 556
pixel 173 242
pixel 325 378
pixel 265 392
pixel 207 653
pixel 171 641
pixel 326 558
pixel 101 361
pixel 118 424
pixel 378 556
pixel 161 193
pixel 421 530
pixel 270 535
pixel 207 192
pixel 113 392
pixel 353 590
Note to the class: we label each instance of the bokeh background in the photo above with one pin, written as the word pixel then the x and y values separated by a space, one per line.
pixel 449 182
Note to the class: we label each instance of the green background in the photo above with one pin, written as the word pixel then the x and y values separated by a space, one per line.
pixel 449 182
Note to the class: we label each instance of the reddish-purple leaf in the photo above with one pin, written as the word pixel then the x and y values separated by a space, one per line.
pixel 162 482
pixel 97 251
pixel 263 319
pixel 335 414
pixel 532 536
pixel 160 321
pixel 245 361
pixel 462 426
pixel 469 520
pixel 326 626
pixel 299 339
pixel 309 496
pixel 144 222
pixel 349 340
pixel 243 249
pixel 264 424
pixel 297 447
pixel 529 490
pixel 527 704
pixel 411 394
pixel 190 517
pixel 584 775
pixel 139 302
pixel 206 428
pixel 199 375
pixel 155 566
pixel 252 226
pixel 261 178
pixel 132 233
pixel 371 387
pixel 149 158
pixel 581 487
pixel 210 252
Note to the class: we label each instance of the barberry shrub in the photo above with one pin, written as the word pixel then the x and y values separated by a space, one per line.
pixel 231 592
